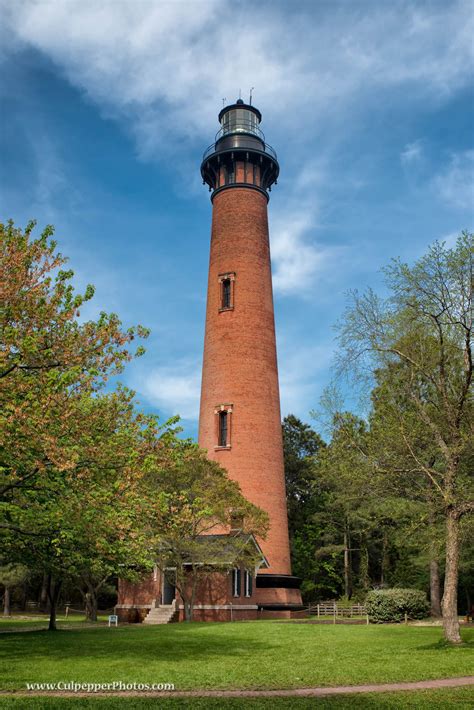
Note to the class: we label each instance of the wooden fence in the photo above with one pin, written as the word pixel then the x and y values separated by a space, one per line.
pixel 335 609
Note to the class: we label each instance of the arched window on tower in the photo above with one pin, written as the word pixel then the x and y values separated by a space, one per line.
pixel 226 293
pixel 223 431
pixel 223 428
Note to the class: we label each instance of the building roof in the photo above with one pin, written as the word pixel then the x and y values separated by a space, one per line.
pixel 228 554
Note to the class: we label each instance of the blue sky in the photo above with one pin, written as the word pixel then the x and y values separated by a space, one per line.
pixel 108 106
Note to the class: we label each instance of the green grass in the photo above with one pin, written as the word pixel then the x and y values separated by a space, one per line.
pixel 240 655
pixel 40 621
pixel 455 698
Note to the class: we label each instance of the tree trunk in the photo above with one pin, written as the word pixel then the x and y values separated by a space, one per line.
pixel 189 601
pixel 450 596
pixel 6 602
pixel 364 568
pixel 54 588
pixel 347 568
pixel 90 598
pixel 188 610
pixel 44 593
pixel 385 561
pixel 435 589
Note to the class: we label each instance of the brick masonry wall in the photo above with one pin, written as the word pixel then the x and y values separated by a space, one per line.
pixel 240 363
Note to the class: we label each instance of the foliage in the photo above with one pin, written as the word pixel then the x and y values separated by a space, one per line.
pixel 420 339
pixel 192 506
pixel 391 605
pixel 71 456
pixel 13 574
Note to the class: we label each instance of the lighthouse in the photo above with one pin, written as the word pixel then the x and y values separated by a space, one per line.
pixel 240 420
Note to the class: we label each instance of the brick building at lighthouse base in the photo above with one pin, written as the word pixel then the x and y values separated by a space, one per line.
pixel 235 595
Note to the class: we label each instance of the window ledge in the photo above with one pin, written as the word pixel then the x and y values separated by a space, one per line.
pixel 222 448
pixel 229 308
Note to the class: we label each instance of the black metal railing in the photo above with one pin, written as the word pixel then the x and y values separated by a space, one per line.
pixel 266 148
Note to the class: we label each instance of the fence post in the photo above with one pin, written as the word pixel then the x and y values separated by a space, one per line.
pixel 335 612
pixel 67 611
pixel 367 619
pixel 318 611
pixel 406 618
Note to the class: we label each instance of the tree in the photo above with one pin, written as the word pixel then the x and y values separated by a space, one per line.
pixel 11 576
pixel 422 335
pixel 65 451
pixel 90 522
pixel 301 446
pixel 306 496
pixel 199 521
pixel 49 359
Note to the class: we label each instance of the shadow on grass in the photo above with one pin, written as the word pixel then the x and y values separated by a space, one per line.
pixel 443 645
pixel 139 647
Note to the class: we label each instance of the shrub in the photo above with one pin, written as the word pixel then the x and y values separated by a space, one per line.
pixel 390 605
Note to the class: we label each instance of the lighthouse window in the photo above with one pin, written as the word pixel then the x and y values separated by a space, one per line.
pixel 226 293
pixel 223 428
pixel 229 175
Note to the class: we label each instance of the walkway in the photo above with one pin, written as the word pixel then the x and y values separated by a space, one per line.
pixel 291 693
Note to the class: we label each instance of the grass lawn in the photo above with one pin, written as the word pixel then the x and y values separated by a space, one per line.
pixel 40 621
pixel 240 655
pixel 455 698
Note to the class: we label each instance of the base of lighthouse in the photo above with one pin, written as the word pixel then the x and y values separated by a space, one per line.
pixel 269 596
pixel 278 592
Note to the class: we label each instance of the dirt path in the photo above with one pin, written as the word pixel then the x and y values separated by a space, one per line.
pixel 294 692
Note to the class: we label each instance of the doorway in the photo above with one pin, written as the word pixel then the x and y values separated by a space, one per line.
pixel 169 590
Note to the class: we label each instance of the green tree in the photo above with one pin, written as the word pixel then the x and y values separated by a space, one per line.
pixel 66 450
pixel 200 522
pixel 49 360
pixel 422 333
pixel 11 575
pixel 302 447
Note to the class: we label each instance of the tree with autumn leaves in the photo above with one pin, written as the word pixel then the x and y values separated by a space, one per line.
pixel 76 458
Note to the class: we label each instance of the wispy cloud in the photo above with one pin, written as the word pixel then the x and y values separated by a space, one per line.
pixel 455 184
pixel 162 66
pixel 412 153
pixel 175 389
pixel 298 255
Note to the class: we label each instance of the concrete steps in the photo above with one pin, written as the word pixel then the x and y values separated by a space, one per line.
pixel 160 614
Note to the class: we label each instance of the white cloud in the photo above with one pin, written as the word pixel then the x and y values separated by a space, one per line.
pixel 162 67
pixel 297 255
pixel 175 389
pixel 411 153
pixel 455 184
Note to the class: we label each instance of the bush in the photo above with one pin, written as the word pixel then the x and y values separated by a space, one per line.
pixel 390 605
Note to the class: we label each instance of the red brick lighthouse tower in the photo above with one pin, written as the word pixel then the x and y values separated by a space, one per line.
pixel 239 423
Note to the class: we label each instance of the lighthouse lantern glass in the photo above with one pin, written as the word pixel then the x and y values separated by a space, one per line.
pixel 239 120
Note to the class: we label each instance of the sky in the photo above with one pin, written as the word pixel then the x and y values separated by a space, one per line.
pixel 107 107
